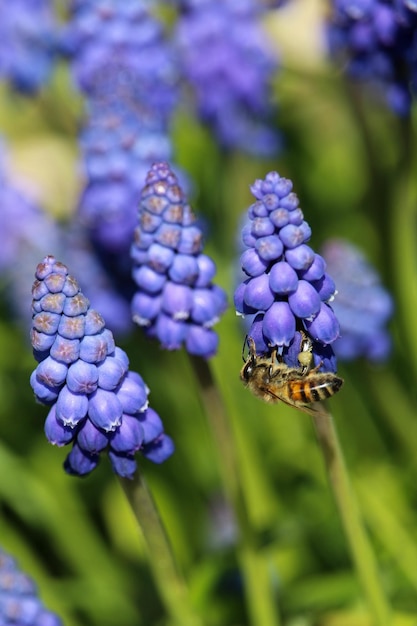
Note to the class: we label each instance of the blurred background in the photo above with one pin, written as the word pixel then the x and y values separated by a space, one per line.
pixel 351 159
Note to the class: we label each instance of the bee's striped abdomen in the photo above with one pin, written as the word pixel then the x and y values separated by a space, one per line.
pixel 313 390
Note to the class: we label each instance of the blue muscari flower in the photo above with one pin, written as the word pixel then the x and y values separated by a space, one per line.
pixel 19 600
pixel 126 72
pixel 375 39
pixel 225 56
pixel 176 301
pixel 28 43
pixel 362 305
pixel 96 402
pixel 287 288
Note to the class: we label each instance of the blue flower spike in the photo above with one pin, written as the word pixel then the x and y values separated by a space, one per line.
pixel 225 56
pixel 96 402
pixel 175 301
pixel 19 599
pixel 286 289
pixel 363 306
pixel 375 42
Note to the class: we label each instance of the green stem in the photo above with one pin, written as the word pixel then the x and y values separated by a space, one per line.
pixel 171 587
pixel 404 258
pixel 261 601
pixel 360 547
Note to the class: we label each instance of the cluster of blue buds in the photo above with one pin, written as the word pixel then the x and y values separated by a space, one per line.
pixel 19 601
pixel 176 301
pixel 97 403
pixel 375 40
pixel 28 45
pixel 363 306
pixel 225 56
pixel 126 71
pixel 287 287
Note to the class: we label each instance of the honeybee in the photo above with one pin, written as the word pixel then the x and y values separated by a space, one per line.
pixel 273 381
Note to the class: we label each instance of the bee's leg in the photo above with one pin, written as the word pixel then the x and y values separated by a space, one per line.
pixel 316 368
pixel 305 356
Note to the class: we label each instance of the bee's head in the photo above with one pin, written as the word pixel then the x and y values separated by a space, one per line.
pixel 249 368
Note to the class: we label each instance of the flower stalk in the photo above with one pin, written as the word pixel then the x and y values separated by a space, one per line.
pixel 170 584
pixel 262 604
pixel 359 544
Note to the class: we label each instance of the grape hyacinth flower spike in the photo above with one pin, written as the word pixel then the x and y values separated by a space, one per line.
pixel 225 55
pixel 376 45
pixel 96 402
pixel 286 288
pixel 19 600
pixel 175 301
pixel 363 306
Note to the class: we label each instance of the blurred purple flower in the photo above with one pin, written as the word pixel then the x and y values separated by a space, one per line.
pixel 96 402
pixel 225 56
pixel 175 300
pixel 19 600
pixel 287 288
pixel 375 41
pixel 28 43
pixel 126 72
pixel 362 305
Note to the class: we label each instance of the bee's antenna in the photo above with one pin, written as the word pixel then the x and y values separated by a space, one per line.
pixel 245 343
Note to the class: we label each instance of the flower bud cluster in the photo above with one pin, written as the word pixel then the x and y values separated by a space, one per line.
pixel 287 287
pixel 28 44
pixel 225 56
pixel 176 300
pixel 97 403
pixel 375 41
pixel 125 69
pixel 363 306
pixel 19 600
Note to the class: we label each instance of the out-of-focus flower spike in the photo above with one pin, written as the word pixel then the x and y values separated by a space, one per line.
pixel 126 70
pixel 375 42
pixel 29 46
pixel 19 599
pixel 225 56
pixel 362 305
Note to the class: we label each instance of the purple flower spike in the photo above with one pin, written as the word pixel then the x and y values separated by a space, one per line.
pixel 97 403
pixel 176 301
pixel 28 45
pixel 288 291
pixel 225 56
pixel 362 305
pixel 375 43
pixel 126 70
pixel 19 599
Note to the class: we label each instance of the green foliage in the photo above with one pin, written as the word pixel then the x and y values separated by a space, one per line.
pixel 79 539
